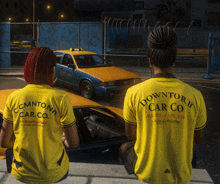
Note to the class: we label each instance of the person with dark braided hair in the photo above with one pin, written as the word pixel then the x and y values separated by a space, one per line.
pixel 34 120
pixel 164 118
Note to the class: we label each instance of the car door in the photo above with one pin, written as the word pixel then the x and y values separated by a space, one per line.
pixel 101 133
pixel 66 69
pixel 59 56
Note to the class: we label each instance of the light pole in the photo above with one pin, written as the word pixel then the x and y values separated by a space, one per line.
pixel 60 16
pixel 33 19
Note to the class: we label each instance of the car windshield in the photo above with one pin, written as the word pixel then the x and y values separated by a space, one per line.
pixel 90 61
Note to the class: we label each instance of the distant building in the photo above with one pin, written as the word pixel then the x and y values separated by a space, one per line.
pixel 96 10
pixel 203 12
pixel 45 11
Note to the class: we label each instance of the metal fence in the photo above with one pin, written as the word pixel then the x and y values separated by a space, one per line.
pixel 17 39
pixel 121 41
pixel 126 44
pixel 213 62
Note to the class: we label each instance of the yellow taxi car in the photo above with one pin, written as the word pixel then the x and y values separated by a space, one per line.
pixel 25 44
pixel 15 44
pixel 100 128
pixel 91 74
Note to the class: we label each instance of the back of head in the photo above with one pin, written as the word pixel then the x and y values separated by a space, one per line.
pixel 39 65
pixel 162 46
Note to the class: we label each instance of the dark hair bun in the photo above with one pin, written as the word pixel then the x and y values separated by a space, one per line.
pixel 162 37
pixel 162 46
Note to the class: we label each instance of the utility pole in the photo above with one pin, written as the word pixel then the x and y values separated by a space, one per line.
pixel 33 19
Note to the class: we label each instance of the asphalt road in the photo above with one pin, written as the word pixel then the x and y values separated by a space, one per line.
pixel 208 152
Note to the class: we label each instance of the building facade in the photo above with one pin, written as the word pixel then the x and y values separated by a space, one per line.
pixel 203 12
pixel 45 11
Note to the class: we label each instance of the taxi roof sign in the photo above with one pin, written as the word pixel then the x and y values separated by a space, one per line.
pixel 76 49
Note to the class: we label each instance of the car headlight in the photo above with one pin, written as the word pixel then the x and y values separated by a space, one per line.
pixel 110 83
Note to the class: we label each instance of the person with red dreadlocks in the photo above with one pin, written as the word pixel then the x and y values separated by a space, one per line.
pixel 34 120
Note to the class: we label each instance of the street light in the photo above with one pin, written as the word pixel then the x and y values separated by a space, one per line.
pixel 33 19
pixel 9 18
pixel 60 16
pixel 26 20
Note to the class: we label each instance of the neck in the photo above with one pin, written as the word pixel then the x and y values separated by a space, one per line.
pixel 159 70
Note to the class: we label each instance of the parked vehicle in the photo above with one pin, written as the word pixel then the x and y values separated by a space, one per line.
pixel 15 44
pixel 100 128
pixel 25 44
pixel 91 74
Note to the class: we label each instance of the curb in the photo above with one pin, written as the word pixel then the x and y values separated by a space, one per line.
pixel 192 79
pixel 142 78
pixel 11 74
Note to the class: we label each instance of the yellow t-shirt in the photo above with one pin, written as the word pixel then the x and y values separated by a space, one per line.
pixel 167 112
pixel 38 114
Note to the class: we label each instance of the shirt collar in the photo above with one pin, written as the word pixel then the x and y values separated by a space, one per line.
pixel 39 86
pixel 165 75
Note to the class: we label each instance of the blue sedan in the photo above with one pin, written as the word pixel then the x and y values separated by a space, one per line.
pixel 89 73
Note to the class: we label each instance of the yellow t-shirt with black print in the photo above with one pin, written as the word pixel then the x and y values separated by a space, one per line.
pixel 38 114
pixel 166 111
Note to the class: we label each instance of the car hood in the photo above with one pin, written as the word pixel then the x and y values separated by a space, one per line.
pixel 110 73
pixel 76 100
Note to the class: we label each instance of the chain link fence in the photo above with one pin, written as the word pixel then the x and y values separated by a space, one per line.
pixel 18 39
pixel 126 44
pixel 121 41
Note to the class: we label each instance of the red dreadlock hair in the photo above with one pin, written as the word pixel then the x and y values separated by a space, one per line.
pixel 38 66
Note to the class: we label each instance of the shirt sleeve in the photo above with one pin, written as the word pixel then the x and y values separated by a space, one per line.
pixel 67 116
pixel 202 116
pixel 7 114
pixel 129 110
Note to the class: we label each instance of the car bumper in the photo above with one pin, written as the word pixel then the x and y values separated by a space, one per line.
pixel 110 91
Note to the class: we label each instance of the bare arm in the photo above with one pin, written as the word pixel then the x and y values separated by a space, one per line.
pixel 7 137
pixel 198 135
pixel 130 131
pixel 71 137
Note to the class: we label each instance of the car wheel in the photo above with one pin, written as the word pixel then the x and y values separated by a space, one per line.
pixel 87 89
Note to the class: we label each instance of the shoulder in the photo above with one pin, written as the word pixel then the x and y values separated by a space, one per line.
pixel 143 85
pixel 190 89
pixel 60 96
pixel 16 93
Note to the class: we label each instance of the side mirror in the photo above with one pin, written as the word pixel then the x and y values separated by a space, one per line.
pixel 71 66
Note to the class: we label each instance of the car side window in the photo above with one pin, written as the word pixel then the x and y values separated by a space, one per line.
pixel 58 56
pixel 67 59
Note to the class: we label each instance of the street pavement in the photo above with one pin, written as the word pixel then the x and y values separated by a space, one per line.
pixel 90 173
pixel 190 74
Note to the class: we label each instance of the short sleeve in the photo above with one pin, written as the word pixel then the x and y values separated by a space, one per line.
pixel 128 109
pixel 7 114
pixel 67 116
pixel 202 116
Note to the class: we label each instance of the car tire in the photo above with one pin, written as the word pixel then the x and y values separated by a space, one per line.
pixel 87 90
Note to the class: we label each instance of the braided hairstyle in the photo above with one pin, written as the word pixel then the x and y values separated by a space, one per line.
pixel 38 66
pixel 162 46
